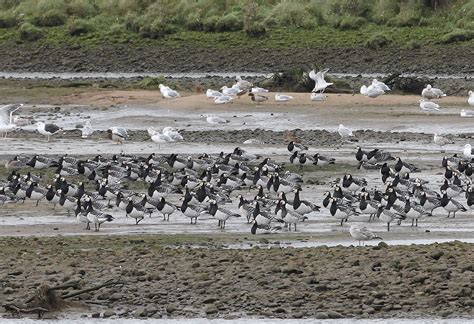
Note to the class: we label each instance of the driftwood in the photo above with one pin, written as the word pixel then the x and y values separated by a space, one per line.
pixel 15 309
pixel 45 298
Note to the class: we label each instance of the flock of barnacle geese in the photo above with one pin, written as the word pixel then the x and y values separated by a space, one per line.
pixel 96 190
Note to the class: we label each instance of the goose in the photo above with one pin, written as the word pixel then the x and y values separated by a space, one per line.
pixel 367 206
pixel 303 207
pixel 451 190
pixel 41 162
pixel 245 208
pixel 429 203
pixel 362 234
pixel 221 214
pixel 404 167
pixel 176 162
pixel 318 78
pixel 47 129
pixel 340 211
pixel 268 227
pixel 263 217
pixel 192 211
pixel 96 217
pixel 168 93
pixel 165 208
pixel 353 184
pixel 296 147
pixel 135 210
pixel 363 155
pixel 282 97
pixel 451 205
pixel 414 212
pixel 67 202
pixel 52 196
pixel 432 93
pixel 35 193
pixel 117 134
pixel 385 215
pixel 81 215
pixel 289 216
pixel 323 160
pixel 282 185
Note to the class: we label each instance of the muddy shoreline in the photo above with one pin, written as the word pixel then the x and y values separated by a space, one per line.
pixel 164 278
pixel 446 59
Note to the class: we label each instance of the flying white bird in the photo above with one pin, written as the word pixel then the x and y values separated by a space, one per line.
pixel 470 100
pixel 344 131
pixel 6 118
pixel 429 106
pixel 214 120
pixel 362 234
pixel 441 141
pixel 320 83
pixel 87 129
pixel 167 92
pixel 432 93
pixel 282 98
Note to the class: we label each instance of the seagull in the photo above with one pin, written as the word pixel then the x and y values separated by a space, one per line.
pixel 429 106
pixel 117 134
pixel 362 234
pixel 441 141
pixel 242 84
pixel 223 99
pixel 344 131
pixel 213 94
pixel 467 113
pixel 320 83
pixel 214 120
pixel 87 130
pixel 6 118
pixel 470 100
pixel 468 151
pixel 258 90
pixel 172 133
pixel 47 129
pixel 258 98
pixel 371 91
pixel 282 98
pixel 315 96
pixel 232 91
pixel 167 92
pixel 378 84
pixel 432 93
pixel 160 138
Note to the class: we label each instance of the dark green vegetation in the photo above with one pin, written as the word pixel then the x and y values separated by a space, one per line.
pixel 224 23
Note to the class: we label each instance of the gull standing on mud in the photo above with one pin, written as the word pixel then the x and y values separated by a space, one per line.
pixel 6 118
pixel 242 84
pixel 429 106
pixel 371 91
pixel 470 100
pixel 320 84
pixel 167 92
pixel 282 98
pixel 344 131
pixel 214 120
pixel 47 129
pixel 213 94
pixel 441 141
pixel 362 234
pixel 223 100
pixel 117 134
pixel 87 129
pixel 432 93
